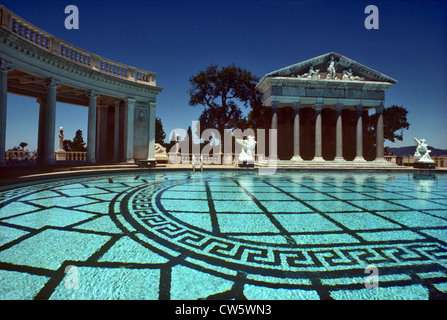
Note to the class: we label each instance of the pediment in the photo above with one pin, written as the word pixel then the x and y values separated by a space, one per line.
pixel 331 66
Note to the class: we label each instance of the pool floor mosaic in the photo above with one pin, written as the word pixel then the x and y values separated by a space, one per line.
pixel 226 235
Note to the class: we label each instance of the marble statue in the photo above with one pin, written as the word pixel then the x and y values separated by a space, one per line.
pixel 422 153
pixel 331 69
pixel 60 153
pixel 160 153
pixel 312 74
pixel 349 75
pixel 61 138
pixel 248 150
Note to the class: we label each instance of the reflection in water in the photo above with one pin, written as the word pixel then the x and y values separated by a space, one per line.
pixel 424 182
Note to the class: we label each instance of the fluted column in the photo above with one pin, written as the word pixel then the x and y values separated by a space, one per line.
pixel 5 67
pixel 129 117
pixel 273 135
pixel 151 146
pixel 339 133
pixel 379 134
pixel 318 138
pixel 296 132
pixel 47 123
pixel 359 134
pixel 116 137
pixel 91 130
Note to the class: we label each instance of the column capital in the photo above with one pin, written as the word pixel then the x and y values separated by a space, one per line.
pixel 296 105
pixel 92 94
pixel 6 66
pixel 152 105
pixel 130 101
pixel 275 105
pixel 318 106
pixel 339 107
pixel 53 83
pixel 359 107
pixel 379 109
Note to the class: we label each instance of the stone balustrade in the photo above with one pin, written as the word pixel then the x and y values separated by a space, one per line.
pixel 56 46
pixel 76 155
pixel 22 155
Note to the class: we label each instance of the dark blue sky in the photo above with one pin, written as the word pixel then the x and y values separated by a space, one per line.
pixel 176 39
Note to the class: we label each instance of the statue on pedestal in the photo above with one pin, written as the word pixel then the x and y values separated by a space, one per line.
pixel 60 153
pixel 422 155
pixel 247 154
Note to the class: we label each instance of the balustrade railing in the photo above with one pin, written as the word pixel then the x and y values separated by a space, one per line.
pixel 76 156
pixel 20 155
pixel 14 24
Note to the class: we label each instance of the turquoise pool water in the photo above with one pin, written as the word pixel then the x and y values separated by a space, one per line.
pixel 226 235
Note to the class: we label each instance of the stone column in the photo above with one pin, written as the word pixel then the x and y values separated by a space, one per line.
pixel 151 146
pixel 359 134
pixel 296 132
pixel 116 132
pixel 273 135
pixel 5 67
pixel 101 148
pixel 91 130
pixel 318 141
pixel 129 117
pixel 379 134
pixel 47 123
pixel 339 134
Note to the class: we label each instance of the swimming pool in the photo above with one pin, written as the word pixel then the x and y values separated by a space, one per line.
pixel 225 235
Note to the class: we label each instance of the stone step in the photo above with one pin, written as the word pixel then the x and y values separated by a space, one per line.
pixel 326 164
pixel 107 167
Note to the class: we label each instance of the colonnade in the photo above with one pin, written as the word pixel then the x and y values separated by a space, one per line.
pixel 123 125
pixel 318 106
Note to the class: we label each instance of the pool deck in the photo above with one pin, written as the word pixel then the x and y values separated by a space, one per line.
pixel 15 174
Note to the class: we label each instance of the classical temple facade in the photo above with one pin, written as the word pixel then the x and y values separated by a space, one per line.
pixel 318 108
pixel 121 99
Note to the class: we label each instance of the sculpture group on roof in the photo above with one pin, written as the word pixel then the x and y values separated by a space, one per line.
pixel 347 74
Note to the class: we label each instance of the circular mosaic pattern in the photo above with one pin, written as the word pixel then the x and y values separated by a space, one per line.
pixel 226 235
pixel 283 227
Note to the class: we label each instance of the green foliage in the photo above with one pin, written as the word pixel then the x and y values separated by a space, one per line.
pixel 23 145
pixel 160 134
pixel 222 91
pixel 78 143
pixel 394 123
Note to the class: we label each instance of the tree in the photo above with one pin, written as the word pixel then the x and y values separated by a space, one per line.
pixel 78 143
pixel 221 91
pixel 394 123
pixel 23 145
pixel 160 134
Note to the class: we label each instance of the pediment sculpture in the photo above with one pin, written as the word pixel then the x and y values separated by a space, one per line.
pixel 311 74
pixel 349 75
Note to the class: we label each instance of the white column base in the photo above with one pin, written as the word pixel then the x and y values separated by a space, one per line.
pixel 359 159
pixel 381 160
pixel 318 159
pixel 339 159
pixel 296 158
